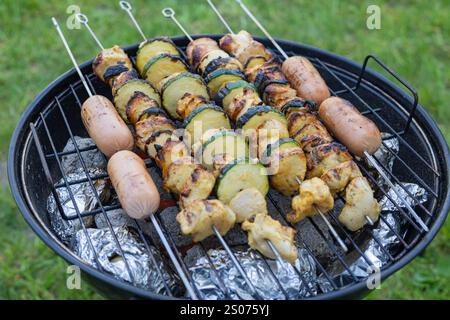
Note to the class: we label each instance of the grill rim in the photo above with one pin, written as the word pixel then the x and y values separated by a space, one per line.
pixel 23 133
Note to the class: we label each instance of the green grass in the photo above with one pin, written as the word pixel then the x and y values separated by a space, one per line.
pixel 414 41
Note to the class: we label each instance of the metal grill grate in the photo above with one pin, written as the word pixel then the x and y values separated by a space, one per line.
pixel 343 88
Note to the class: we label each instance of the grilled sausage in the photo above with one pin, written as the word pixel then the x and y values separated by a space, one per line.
pixel 305 78
pixel 349 126
pixel 137 192
pixel 105 126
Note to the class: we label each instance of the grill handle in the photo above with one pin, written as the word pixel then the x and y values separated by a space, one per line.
pixel 396 76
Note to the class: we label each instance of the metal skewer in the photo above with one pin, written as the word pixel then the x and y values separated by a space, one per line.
pixel 85 21
pixel 333 231
pixel 126 6
pixel 170 13
pixel 330 227
pixel 369 157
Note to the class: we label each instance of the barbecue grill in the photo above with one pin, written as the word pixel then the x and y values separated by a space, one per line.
pixel 34 164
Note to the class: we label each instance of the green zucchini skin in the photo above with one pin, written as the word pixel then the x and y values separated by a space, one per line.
pixel 161 56
pixel 199 110
pixel 264 84
pixel 215 64
pixel 297 104
pixel 200 150
pixel 164 39
pixel 114 71
pixel 254 111
pixel 273 146
pixel 230 87
pixel 221 72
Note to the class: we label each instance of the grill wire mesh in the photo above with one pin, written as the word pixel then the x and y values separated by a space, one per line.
pixel 340 87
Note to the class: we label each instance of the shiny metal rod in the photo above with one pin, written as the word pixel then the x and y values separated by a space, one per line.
pixel 170 13
pixel 261 27
pixel 173 258
pixel 74 61
pixel 380 170
pixel 330 227
pixel 83 19
pixel 216 11
pixel 126 6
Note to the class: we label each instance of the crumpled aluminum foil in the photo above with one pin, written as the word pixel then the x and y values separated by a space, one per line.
pixel 85 200
pixel 416 191
pixel 227 283
pixel 387 151
pixel 144 273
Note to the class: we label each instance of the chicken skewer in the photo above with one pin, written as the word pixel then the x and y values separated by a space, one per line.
pixel 169 13
pixel 152 217
pixel 208 205
pixel 302 117
pixel 364 152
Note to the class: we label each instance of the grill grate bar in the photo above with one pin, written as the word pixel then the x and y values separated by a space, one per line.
pixel 329 244
pixel 73 151
pixel 69 190
pixel 380 118
pixel 83 180
pixel 272 274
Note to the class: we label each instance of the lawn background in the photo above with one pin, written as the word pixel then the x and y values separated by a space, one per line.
pixel 413 40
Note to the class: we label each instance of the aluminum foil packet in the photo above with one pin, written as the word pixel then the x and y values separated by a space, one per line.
pixel 85 200
pixel 136 265
pixel 218 278
pixel 404 190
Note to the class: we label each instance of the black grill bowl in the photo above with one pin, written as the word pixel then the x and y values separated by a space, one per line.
pixel 30 188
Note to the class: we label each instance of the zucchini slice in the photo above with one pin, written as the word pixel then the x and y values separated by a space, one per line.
pixel 278 146
pixel 162 66
pixel 217 79
pixel 205 118
pixel 230 90
pixel 223 63
pixel 122 78
pixel 239 175
pixel 209 57
pixel 224 142
pixel 176 86
pixel 127 90
pixel 255 116
pixel 151 48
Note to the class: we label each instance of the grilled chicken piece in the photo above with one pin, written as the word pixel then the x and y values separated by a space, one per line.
pixel 198 49
pixel 277 95
pixel 188 103
pixel 269 132
pixel 178 173
pixel 110 63
pixel 262 228
pixel 242 46
pixel 198 217
pixel 247 204
pixel 170 152
pixel 241 103
pixel 146 127
pixel 140 106
pixel 339 177
pixel 297 120
pixel 271 70
pixel 326 157
pixel 199 186
pixel 314 193
pixel 360 202
pixel 312 135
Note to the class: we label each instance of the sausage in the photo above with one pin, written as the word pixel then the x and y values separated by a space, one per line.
pixel 137 192
pixel 305 79
pixel 349 126
pixel 105 126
